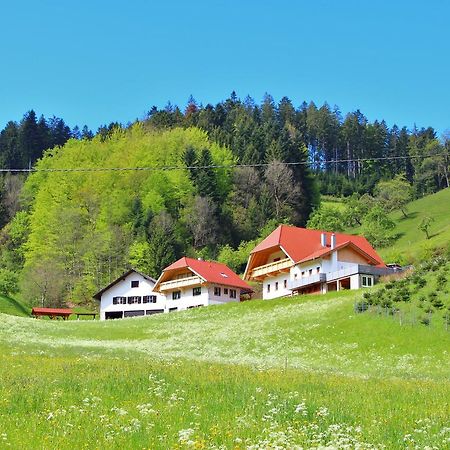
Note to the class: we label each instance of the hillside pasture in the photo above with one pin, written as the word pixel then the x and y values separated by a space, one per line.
pixel 305 371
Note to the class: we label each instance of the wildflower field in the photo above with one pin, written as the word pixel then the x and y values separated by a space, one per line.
pixel 284 374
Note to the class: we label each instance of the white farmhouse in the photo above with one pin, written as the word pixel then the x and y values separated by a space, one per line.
pixel 189 283
pixel 130 295
pixel 294 260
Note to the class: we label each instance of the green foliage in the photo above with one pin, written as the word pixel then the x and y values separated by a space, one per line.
pixel 377 227
pixel 8 282
pixel 425 224
pixel 89 227
pixel 327 218
pixel 394 194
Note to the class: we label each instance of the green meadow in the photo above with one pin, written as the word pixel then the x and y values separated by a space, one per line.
pixel 305 372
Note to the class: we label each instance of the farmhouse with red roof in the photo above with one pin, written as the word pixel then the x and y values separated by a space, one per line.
pixel 297 260
pixel 189 282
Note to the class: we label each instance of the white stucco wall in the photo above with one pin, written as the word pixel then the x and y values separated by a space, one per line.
pixel 123 289
pixel 274 293
pixel 207 297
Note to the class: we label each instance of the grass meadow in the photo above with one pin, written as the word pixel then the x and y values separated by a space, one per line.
pixel 289 373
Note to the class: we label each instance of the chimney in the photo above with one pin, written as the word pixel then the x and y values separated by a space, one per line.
pixel 333 240
pixel 323 239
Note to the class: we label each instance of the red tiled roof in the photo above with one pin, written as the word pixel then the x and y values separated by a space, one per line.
pixel 210 271
pixel 302 244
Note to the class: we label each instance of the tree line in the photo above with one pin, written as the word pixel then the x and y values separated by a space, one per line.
pixel 331 141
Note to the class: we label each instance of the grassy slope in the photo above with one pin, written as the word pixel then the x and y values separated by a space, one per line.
pixel 412 245
pixel 14 307
pixel 228 372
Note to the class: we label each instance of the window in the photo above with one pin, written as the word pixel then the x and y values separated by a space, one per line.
pixel 303 273
pixel 276 259
pixel 196 291
pixel 295 276
pixel 268 287
pixel 367 281
pixel 223 275
pixel 318 269
pixel 232 293
pixel 135 283
pixel 217 291
pixel 310 272
pixel 134 299
pixel 173 309
pixel 285 284
pixel 276 285
pixel 176 295
pixel 119 300
pixel 149 299
pixel 225 291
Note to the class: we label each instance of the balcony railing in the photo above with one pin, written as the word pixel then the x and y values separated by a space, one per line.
pixel 359 268
pixel 181 282
pixel 312 279
pixel 271 268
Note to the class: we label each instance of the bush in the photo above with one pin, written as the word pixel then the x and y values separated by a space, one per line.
pixel 421 282
pixel 424 320
pixel 361 306
pixel 8 282
pixel 437 303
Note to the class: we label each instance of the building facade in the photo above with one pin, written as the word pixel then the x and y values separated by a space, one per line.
pixel 190 283
pixel 130 295
pixel 293 260
pixel 187 283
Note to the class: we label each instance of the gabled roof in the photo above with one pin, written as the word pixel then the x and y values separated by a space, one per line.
pixel 302 244
pixel 209 271
pixel 99 294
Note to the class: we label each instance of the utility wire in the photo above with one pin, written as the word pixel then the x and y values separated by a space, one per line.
pixel 213 166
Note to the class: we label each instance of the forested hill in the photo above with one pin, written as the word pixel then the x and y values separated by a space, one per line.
pixel 63 235
pixel 79 230
pixel 258 133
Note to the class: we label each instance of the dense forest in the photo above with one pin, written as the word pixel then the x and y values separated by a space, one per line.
pixel 66 234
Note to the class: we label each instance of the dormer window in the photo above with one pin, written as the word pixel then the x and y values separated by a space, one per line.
pixel 224 275
pixel 135 284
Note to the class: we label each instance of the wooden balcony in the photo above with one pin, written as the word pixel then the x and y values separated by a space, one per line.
pixel 181 282
pixel 283 265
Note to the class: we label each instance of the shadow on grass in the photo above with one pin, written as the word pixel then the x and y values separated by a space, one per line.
pixel 15 305
pixel 410 215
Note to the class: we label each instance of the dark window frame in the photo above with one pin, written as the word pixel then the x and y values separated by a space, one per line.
pixel 196 291
pixel 134 300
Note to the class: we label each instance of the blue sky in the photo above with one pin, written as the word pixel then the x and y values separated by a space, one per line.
pixel 93 62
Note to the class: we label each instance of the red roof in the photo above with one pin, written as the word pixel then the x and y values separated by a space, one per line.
pixel 51 311
pixel 210 271
pixel 302 244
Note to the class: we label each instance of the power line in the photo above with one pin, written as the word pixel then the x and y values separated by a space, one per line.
pixel 213 166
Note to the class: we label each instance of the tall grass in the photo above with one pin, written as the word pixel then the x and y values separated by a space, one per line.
pixel 290 373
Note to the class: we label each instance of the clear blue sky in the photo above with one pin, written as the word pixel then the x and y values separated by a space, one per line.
pixel 93 62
